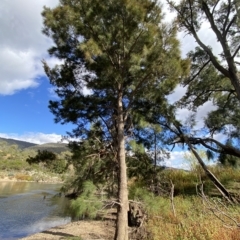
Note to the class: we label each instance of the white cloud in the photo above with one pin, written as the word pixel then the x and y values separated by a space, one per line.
pixel 22 45
pixel 34 137
pixel 202 112
pixel 176 160
pixel 205 34
pixel 17 71
pixel 220 137
pixel 52 93
pixel 52 62
pixel 183 114
pixel 177 94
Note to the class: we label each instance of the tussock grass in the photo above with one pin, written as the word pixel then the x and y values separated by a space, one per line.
pixel 195 218
pixel 193 221
pixel 185 181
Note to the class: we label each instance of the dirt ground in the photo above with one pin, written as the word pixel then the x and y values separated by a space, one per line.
pixel 87 230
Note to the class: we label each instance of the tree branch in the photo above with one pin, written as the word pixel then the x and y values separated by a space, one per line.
pixel 226 149
pixel 191 79
pixel 226 19
pixel 236 52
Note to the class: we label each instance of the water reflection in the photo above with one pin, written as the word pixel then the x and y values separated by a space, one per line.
pixel 27 208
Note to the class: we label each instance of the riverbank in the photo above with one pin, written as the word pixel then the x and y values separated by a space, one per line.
pixel 80 230
pixel 30 176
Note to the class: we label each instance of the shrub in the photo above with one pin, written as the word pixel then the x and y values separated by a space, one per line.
pixel 87 204
pixel 23 177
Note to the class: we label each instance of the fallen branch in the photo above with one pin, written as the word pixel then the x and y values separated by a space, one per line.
pixel 217 211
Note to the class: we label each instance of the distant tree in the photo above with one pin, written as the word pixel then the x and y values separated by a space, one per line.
pixel 42 156
pixel 50 160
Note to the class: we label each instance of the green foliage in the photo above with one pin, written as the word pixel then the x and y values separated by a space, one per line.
pixel 139 148
pixel 228 160
pixel 13 158
pixel 42 156
pixel 57 166
pixel 92 160
pixel 6 164
pixel 213 77
pixel 140 194
pixel 125 50
pixel 87 204
pixel 57 148
pixel 50 159
pixel 140 165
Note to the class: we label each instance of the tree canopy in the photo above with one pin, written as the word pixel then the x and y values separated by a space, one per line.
pixel 213 77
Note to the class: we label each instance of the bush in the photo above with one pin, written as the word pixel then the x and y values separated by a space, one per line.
pixel 57 166
pixel 87 204
pixel 23 177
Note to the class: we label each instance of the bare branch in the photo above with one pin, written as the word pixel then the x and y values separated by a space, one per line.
pixel 215 7
pixel 236 52
pixel 192 78
pixel 216 210
pixel 229 25
pixel 226 19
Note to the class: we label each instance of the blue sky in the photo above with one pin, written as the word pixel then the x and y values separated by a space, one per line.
pixel 27 111
pixel 24 89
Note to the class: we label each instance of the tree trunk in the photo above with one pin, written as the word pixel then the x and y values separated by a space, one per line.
pixel 211 176
pixel 122 215
pixel 155 149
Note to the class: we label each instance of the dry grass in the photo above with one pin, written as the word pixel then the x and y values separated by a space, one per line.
pixel 23 177
pixel 194 221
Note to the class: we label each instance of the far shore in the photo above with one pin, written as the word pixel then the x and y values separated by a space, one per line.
pixel 8 179
pixel 20 177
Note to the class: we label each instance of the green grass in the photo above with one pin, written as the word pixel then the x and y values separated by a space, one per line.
pixel 185 182
pixel 195 219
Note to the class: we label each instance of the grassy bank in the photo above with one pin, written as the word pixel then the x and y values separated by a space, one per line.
pixel 31 176
pixel 194 219
pixel 190 214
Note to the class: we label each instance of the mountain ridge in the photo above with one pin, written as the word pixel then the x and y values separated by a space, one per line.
pixel 23 145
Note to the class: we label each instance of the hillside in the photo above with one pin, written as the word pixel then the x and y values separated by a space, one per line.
pixel 53 147
pixel 21 144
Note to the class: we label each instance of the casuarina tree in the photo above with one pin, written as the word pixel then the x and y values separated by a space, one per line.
pixel 223 19
pixel 114 55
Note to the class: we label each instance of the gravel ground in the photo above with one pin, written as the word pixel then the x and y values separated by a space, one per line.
pixel 87 230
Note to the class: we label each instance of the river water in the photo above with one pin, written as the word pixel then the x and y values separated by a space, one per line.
pixel 27 208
